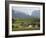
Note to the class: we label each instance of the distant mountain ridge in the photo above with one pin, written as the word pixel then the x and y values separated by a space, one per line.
pixel 19 14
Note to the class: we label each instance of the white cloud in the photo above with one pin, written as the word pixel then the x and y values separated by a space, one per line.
pixel 26 10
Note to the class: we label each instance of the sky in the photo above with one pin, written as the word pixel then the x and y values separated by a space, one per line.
pixel 26 10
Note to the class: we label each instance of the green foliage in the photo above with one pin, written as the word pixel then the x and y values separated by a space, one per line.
pixel 23 24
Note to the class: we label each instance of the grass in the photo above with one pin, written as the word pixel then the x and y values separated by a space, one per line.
pixel 25 24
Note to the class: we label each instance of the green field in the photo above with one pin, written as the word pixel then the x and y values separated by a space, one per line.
pixel 20 24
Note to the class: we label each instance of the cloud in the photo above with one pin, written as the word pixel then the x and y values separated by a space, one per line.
pixel 26 10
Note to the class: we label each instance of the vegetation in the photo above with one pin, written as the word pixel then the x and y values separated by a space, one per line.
pixel 20 24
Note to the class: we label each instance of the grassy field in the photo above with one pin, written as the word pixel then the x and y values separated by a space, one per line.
pixel 20 24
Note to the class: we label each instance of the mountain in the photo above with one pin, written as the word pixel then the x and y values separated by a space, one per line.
pixel 36 13
pixel 19 14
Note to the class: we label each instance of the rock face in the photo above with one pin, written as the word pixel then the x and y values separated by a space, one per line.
pixel 30 26
pixel 36 13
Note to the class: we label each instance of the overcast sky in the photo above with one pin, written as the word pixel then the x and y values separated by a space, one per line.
pixel 26 10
